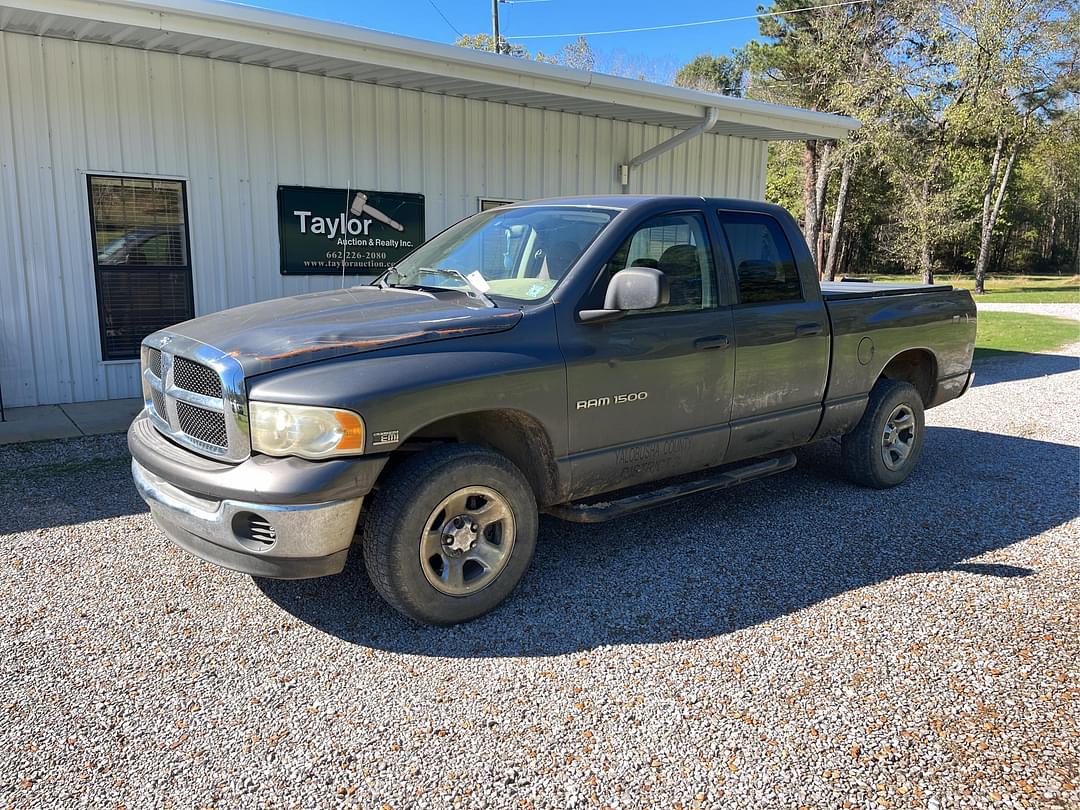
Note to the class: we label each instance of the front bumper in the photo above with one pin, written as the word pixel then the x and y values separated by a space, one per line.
pixel 307 509
pixel 284 541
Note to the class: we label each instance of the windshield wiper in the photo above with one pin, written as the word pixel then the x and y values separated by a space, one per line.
pixel 382 283
pixel 458 274
pixel 440 271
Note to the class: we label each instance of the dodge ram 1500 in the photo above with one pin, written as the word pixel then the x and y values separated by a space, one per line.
pixel 583 357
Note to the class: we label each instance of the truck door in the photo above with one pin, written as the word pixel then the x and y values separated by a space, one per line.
pixel 782 339
pixel 649 395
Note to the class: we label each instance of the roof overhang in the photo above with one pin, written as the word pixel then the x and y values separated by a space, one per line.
pixel 238 33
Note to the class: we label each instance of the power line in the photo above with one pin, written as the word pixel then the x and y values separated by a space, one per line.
pixel 445 20
pixel 691 24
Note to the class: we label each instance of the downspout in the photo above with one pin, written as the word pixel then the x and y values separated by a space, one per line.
pixel 712 117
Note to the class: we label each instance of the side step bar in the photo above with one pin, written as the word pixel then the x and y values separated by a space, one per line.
pixel 609 509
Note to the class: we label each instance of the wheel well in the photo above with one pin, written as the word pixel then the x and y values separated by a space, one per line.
pixel 916 366
pixel 517 435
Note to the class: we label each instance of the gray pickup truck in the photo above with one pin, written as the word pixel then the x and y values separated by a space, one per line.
pixel 581 357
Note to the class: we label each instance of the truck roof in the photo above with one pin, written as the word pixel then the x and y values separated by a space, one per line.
pixel 629 201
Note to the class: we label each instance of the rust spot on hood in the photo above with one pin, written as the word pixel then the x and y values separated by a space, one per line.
pixel 272 335
pixel 367 344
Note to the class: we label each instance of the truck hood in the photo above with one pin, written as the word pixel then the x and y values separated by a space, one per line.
pixel 285 332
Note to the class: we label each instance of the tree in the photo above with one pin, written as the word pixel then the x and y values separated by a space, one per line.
pixel 714 74
pixel 577 54
pixel 483 42
pixel 842 60
pixel 970 146
pixel 792 66
pixel 1050 199
pixel 1012 57
pixel 919 146
pixel 966 110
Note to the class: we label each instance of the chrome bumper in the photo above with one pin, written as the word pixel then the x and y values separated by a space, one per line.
pixel 293 541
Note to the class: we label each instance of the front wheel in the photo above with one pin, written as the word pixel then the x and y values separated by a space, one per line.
pixel 450 533
pixel 884 447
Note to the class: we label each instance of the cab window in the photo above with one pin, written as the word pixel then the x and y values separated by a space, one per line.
pixel 764 265
pixel 678 246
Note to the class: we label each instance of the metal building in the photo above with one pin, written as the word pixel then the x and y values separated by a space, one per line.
pixel 153 155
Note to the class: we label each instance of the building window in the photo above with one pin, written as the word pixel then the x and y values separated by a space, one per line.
pixel 487 203
pixel 142 265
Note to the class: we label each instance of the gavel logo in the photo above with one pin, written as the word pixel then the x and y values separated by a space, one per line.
pixel 360 207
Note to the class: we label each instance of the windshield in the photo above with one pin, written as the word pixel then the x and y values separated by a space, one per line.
pixel 519 253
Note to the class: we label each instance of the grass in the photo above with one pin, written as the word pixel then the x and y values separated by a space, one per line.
pixel 1008 332
pixel 1009 289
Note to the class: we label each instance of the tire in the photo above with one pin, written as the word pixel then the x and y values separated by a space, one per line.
pixel 476 547
pixel 870 459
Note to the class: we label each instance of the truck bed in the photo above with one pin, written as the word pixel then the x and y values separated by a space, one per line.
pixel 847 290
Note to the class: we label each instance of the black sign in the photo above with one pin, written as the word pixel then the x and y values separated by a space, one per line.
pixel 327 231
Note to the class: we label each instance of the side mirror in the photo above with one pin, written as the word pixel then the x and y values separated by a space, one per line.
pixel 634 288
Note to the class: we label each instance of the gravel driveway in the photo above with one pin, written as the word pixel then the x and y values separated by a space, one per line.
pixel 1056 310
pixel 795 642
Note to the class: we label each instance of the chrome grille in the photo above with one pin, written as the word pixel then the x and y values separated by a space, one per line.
pixel 202 424
pixel 195 395
pixel 159 403
pixel 196 378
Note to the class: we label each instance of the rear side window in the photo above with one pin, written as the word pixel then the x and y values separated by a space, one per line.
pixel 764 265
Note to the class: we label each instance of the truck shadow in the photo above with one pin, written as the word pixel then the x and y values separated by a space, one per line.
pixel 712 564
pixel 65 483
pixel 993 366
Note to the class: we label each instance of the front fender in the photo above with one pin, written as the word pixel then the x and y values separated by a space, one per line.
pixel 399 391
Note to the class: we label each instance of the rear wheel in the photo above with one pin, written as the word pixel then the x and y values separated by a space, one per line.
pixel 884 447
pixel 450 533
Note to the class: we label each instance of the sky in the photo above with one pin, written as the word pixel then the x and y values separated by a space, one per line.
pixel 656 53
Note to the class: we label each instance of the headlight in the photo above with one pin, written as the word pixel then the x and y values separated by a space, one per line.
pixel 303 430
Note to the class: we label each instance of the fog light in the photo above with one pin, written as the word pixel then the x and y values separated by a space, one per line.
pixel 254 532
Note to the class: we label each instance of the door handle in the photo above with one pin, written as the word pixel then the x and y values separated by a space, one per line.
pixel 808 329
pixel 713 342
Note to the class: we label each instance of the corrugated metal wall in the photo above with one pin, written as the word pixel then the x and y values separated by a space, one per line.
pixel 236 132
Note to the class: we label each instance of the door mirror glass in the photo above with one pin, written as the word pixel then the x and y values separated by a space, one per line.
pixel 637 288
